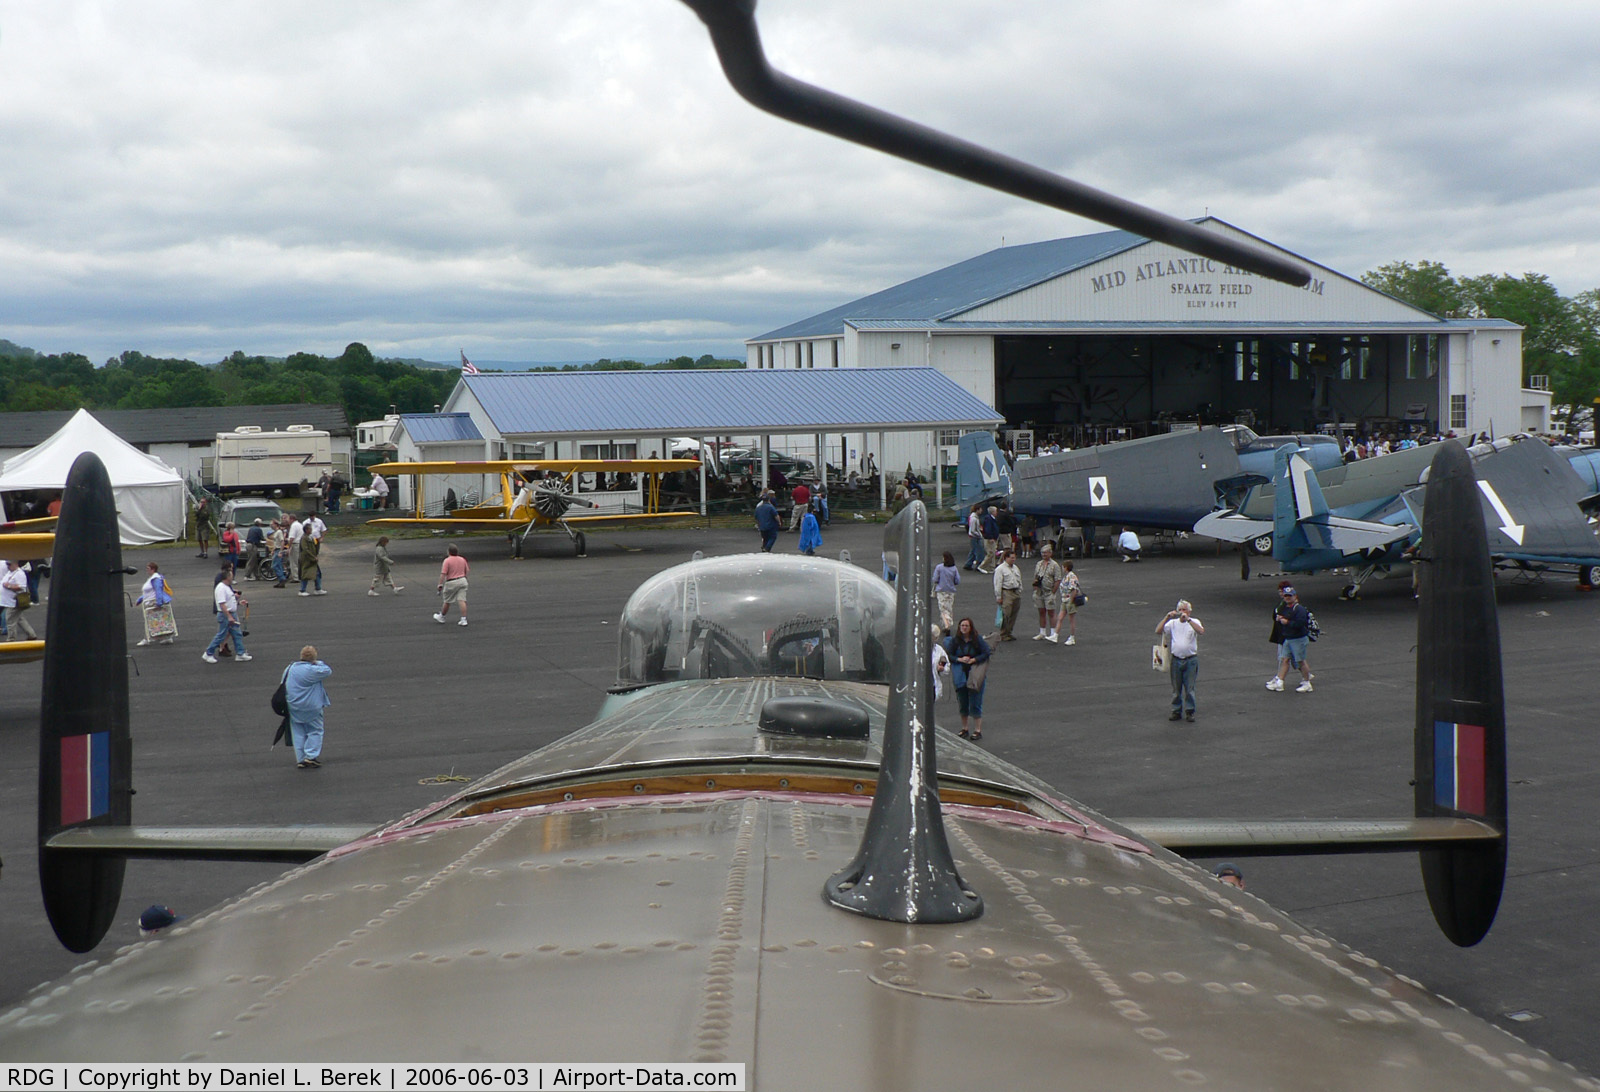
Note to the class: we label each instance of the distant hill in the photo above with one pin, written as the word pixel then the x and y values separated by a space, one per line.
pixel 11 348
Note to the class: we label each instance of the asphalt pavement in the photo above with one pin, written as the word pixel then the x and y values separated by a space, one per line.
pixel 416 702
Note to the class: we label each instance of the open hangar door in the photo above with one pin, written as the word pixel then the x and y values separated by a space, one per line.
pixel 1094 388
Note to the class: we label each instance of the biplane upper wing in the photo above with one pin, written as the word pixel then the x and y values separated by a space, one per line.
pixel 517 523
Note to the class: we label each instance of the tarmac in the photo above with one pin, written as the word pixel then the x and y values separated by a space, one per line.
pixel 415 702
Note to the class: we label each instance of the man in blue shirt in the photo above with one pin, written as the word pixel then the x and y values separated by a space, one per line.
pixel 767 522
pixel 1295 621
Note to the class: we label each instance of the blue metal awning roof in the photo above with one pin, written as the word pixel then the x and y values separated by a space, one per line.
pixel 725 402
pixel 440 428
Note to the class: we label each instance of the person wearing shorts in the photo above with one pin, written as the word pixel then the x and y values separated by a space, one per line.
pixel 453 585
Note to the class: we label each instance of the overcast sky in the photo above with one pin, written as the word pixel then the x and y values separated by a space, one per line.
pixel 535 180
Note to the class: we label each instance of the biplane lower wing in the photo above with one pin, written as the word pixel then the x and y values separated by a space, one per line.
pixel 27 547
pixel 21 652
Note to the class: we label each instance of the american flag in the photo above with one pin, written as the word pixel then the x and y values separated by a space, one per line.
pixel 467 366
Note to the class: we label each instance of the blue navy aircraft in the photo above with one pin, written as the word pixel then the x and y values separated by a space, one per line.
pixel 1168 481
pixel 1367 515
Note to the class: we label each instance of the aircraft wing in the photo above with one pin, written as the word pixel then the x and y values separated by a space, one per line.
pixel 1280 837
pixel 28 526
pixel 1531 500
pixel 560 466
pixel 517 523
pixel 21 652
pixel 1230 526
pixel 25 547
pixel 1350 536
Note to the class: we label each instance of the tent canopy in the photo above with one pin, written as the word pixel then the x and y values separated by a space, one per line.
pixel 150 494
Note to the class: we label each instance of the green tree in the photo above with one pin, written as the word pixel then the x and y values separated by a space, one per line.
pixel 1552 333
pixel 1427 285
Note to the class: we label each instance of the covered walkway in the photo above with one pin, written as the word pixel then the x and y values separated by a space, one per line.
pixel 529 414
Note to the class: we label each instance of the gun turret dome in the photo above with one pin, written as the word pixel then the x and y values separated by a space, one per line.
pixel 758 614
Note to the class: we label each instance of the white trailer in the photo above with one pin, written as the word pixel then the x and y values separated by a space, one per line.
pixel 249 459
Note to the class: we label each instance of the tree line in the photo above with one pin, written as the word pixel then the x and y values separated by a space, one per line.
pixel 365 385
pixel 1562 335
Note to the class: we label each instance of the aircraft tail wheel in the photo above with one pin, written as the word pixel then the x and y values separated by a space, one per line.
pixel 580 544
pixel 1589 575
pixel 1261 544
pixel 1351 591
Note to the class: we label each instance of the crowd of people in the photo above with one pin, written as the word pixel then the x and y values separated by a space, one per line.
pixel 1058 593
pixel 276 552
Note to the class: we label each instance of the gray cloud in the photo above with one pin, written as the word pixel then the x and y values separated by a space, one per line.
pixel 547 181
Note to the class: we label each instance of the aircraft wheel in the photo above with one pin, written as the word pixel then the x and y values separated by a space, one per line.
pixel 580 544
pixel 1261 544
pixel 1351 591
pixel 1589 574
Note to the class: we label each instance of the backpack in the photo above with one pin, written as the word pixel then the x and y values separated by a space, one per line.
pixel 1313 631
pixel 280 696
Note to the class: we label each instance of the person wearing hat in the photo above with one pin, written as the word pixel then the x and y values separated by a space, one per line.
pixel 156 918
pixel 255 542
pixel 1229 874
pixel 767 521
pixel 1294 622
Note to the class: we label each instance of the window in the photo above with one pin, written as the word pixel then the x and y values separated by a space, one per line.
pixel 949 437
pixel 608 451
pixel 527 451
pixel 835 345
pixel 1247 361
pixel 1458 411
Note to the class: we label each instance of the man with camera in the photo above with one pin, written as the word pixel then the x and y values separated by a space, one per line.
pixel 1181 630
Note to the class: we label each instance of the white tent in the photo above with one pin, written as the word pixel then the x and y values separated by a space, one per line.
pixel 150 494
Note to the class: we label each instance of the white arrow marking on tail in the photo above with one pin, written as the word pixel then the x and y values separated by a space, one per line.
pixel 1298 469
pixel 1513 531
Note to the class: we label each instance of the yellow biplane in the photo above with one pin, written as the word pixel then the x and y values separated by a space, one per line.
pixel 20 541
pixel 540 491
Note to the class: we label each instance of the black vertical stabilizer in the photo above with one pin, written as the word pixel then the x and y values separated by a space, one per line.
pixel 903 870
pixel 85 755
pixel 1461 728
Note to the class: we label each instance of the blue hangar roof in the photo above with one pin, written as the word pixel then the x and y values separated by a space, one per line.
pixel 723 402
pixel 961 287
pixel 440 428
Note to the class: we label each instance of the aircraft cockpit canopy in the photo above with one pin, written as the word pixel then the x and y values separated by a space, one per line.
pixel 758 614
pixel 1243 436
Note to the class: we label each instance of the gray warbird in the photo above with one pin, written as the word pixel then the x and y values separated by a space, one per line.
pixel 751 855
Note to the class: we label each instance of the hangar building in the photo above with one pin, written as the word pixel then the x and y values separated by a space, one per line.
pixel 1109 336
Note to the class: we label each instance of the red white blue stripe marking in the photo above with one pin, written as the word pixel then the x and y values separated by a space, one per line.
pixel 1460 776
pixel 85 777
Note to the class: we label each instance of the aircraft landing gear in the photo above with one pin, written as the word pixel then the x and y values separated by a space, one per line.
pixel 1350 591
pixel 580 544
pixel 1262 544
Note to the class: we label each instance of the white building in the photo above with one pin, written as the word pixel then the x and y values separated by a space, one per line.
pixel 1112 335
